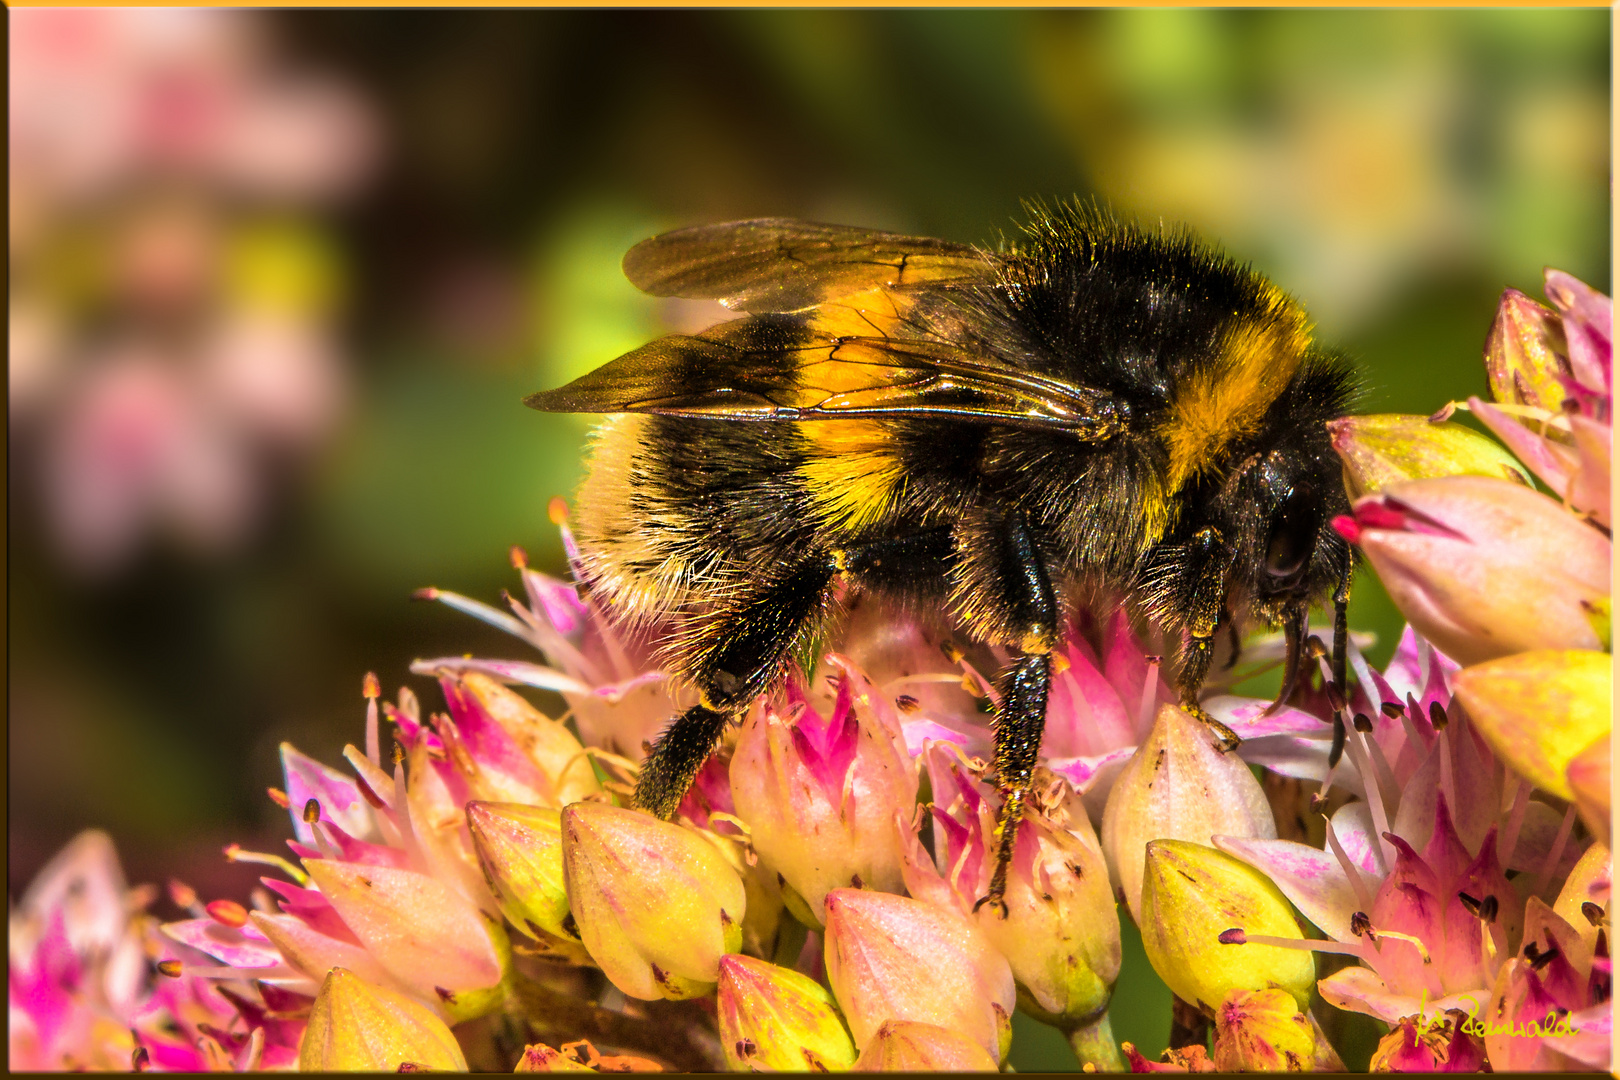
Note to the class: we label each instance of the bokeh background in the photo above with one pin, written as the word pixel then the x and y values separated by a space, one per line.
pixel 279 281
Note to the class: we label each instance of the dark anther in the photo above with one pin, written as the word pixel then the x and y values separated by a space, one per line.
pixel 1335 697
pixel 1314 646
pixel 1593 913
pixel 746 1048
pixel 1363 723
pixel 1488 908
pixel 312 811
pixel 1471 903
pixel 1360 925
pixel 1234 936
pixel 1392 709
pixel 1541 960
pixel 140 1060
pixel 1437 716
pixel 906 703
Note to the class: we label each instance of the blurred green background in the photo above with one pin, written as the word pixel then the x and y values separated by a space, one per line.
pixel 1394 169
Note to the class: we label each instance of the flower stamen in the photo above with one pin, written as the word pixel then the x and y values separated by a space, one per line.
pixel 234 853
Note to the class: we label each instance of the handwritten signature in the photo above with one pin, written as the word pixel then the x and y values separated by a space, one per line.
pixel 1555 1025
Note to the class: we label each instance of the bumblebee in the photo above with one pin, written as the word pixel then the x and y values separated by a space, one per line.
pixel 1094 409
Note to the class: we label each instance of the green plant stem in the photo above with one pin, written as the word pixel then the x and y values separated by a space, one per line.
pixel 1094 1044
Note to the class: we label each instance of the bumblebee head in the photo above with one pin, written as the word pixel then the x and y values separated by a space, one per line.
pixel 1255 540
pixel 1286 554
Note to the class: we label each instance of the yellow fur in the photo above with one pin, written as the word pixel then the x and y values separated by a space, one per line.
pixel 854 474
pixel 613 543
pixel 1227 401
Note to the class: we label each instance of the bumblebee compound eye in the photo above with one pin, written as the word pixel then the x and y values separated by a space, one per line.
pixel 1293 535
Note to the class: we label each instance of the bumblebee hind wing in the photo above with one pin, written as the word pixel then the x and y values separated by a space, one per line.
pixel 779 265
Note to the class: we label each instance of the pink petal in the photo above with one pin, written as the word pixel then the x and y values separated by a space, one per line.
pixel 1084 772
pixel 1588 327
pixel 1551 462
pixel 339 796
pixel 1353 826
pixel 920 732
pixel 510 671
pixel 1247 718
pixel 1312 879
pixel 238 947
pixel 1358 989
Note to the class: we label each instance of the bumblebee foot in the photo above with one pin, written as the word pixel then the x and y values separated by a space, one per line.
pixel 1229 740
pixel 992 897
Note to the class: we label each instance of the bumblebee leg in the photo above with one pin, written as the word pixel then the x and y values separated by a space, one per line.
pixel 1205 605
pixel 1008 578
pixel 676 757
pixel 1341 647
pixel 740 651
pixel 1019 726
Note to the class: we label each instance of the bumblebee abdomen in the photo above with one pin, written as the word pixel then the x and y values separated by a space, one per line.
pixel 677 511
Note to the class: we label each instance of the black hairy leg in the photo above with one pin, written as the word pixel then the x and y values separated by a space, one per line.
pixel 738 653
pixel 1020 723
pixel 676 757
pixel 740 650
pixel 1205 605
pixel 1341 647
pixel 1013 591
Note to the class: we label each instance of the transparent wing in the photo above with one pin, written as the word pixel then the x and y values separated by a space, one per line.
pixel 778 264
pixel 752 370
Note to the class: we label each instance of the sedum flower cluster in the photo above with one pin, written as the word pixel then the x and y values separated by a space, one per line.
pixel 474 889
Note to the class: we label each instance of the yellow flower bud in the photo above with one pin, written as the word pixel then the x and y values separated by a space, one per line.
pixel 657 905
pixel 1537 710
pixel 772 1019
pixel 1191 896
pixel 357 1027
pixel 1387 449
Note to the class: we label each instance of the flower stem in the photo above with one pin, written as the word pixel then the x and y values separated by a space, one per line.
pixel 1094 1045
pixel 1188 1025
pixel 677 1033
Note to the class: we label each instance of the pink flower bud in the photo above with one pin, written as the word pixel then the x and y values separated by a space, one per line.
pixel 820 794
pixel 1484 568
pixel 1523 354
pixel 772 1019
pixel 425 935
pixel 513 751
pixel 893 958
pixel 1060 933
pixel 1180 785
pixel 909 1046
pixel 1437 1044
pixel 657 905
pixel 520 848
pixel 1263 1031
